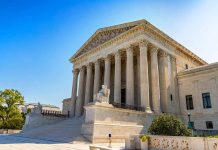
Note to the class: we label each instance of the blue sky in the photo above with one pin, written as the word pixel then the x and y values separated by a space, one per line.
pixel 38 37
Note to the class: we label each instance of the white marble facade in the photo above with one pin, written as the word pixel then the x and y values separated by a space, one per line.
pixel 138 63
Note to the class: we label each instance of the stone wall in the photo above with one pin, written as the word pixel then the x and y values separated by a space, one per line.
pixel 195 82
pixel 66 106
pixel 9 131
pixel 103 119
pixel 34 120
pixel 174 143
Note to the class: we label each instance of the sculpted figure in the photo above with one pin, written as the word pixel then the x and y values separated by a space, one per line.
pixel 103 95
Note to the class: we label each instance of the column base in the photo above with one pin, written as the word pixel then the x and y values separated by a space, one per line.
pixel 156 111
pixel 148 110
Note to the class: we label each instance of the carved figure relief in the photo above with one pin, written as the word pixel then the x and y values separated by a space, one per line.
pixel 103 37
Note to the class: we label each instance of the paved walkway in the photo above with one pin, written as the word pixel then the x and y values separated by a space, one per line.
pixel 10 142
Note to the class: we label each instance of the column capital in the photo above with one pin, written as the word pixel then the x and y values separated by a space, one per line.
pixel 97 62
pixel 75 71
pixel 173 58
pixel 162 53
pixel 154 50
pixel 89 65
pixel 129 48
pixel 107 58
pixel 82 68
pixel 143 43
pixel 117 55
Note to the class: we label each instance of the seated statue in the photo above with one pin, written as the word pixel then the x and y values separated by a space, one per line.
pixel 103 95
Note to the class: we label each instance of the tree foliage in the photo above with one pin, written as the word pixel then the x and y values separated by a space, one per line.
pixel 10 116
pixel 167 124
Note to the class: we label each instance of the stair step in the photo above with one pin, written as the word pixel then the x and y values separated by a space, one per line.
pixel 64 131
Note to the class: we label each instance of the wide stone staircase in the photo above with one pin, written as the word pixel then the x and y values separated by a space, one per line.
pixel 66 131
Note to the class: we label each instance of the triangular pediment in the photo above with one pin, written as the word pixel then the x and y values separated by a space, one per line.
pixel 107 34
pixel 103 35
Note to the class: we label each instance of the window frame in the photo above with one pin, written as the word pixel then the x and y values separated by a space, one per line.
pixel 189 102
pixel 208 123
pixel 186 66
pixel 206 99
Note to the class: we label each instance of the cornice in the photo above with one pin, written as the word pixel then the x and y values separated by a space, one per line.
pixel 165 39
pixel 200 70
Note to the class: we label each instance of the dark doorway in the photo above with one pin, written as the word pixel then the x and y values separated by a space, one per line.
pixel 123 96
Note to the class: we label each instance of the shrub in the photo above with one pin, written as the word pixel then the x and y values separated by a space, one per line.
pixel 170 125
pixel 213 136
pixel 144 138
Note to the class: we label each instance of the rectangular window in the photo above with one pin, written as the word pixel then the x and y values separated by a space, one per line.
pixel 206 100
pixel 186 66
pixel 189 102
pixel 209 124
pixel 171 97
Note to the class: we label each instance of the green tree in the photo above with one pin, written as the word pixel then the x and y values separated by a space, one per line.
pixel 28 110
pixel 9 114
pixel 167 124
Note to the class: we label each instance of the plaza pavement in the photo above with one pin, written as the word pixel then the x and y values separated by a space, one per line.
pixel 10 142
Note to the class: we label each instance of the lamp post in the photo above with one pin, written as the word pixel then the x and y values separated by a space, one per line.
pixel 109 135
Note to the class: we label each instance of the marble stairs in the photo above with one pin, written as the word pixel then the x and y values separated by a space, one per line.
pixel 67 131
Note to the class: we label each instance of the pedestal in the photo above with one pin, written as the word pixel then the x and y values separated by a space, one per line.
pixel 102 119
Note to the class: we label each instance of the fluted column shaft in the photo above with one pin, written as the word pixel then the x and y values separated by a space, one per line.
pixel 88 84
pixel 107 72
pixel 129 77
pixel 74 91
pixel 164 81
pixel 81 93
pixel 96 79
pixel 145 102
pixel 155 86
pixel 175 84
pixel 117 79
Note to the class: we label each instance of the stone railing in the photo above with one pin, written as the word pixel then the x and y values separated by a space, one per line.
pixel 54 114
pixel 9 131
pixel 174 143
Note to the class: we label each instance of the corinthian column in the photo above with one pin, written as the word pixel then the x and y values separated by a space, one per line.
pixel 107 72
pixel 74 92
pixel 155 86
pixel 164 81
pixel 117 79
pixel 88 84
pixel 81 93
pixel 129 77
pixel 144 88
pixel 96 79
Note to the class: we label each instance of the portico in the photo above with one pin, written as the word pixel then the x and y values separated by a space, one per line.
pixel 100 71
pixel 136 61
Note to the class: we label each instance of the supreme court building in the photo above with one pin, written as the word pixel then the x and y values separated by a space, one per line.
pixel 145 68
